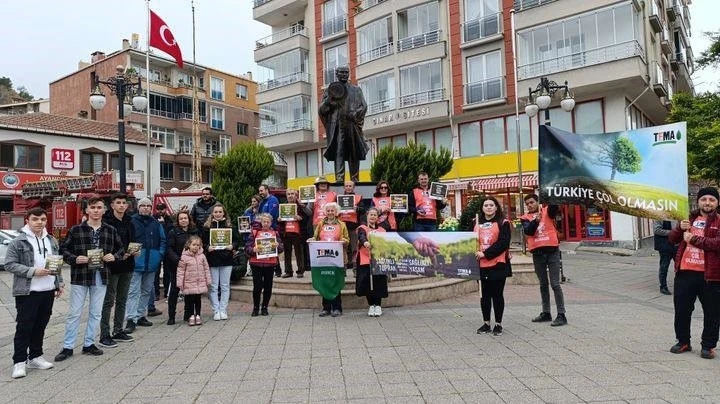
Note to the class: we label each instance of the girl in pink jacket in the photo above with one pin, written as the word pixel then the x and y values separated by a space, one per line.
pixel 193 277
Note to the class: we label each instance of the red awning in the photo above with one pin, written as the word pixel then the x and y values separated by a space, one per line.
pixel 502 183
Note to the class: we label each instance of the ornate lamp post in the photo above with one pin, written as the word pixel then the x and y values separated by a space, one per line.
pixel 123 85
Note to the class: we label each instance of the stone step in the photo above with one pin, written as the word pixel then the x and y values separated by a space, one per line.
pixel 306 282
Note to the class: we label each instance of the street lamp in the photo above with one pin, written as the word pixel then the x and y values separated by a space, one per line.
pixel 123 85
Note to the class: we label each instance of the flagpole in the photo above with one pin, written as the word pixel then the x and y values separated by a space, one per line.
pixel 147 111
pixel 197 158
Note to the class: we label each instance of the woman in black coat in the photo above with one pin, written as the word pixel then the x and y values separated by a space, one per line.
pixel 176 239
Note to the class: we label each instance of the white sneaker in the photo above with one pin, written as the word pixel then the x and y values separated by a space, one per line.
pixel 223 315
pixel 217 316
pixel 19 370
pixel 371 311
pixel 40 363
pixel 378 311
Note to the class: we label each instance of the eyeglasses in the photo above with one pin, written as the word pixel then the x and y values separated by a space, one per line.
pixel 383 187
pixel 146 206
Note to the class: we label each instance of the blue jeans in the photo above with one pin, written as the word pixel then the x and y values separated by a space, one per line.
pixel 425 226
pixel 220 277
pixel 77 301
pixel 141 288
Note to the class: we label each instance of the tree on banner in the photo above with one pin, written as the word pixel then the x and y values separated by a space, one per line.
pixel 621 156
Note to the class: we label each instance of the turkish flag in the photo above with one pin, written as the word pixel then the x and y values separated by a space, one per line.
pixel 162 38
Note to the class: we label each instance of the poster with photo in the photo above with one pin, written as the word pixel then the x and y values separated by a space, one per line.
pixel 438 191
pixel 307 193
pixel 288 212
pixel 399 203
pixel 243 223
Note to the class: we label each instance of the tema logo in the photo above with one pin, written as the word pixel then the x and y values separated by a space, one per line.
pixel 667 137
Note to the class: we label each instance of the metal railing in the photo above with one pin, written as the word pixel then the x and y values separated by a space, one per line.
pixel 184 150
pixel 371 3
pixel 418 40
pixel 422 97
pixel 284 81
pixel 521 5
pixel 295 29
pixel 164 114
pixel 482 27
pixel 258 3
pixel 189 116
pixel 584 58
pixel 334 25
pixel 283 127
pixel 381 106
pixel 484 91
pixel 376 53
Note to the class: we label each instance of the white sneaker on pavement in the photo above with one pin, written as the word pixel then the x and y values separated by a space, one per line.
pixel 371 311
pixel 39 363
pixel 217 316
pixel 223 315
pixel 19 370
pixel 378 311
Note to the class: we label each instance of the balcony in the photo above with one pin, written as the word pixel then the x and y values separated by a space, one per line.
pixel 658 83
pixel 481 92
pixel 655 19
pixel 282 41
pixel 423 97
pixel 163 114
pixel 484 27
pixel 581 59
pixel 673 9
pixel 369 3
pixel 284 87
pixel 184 150
pixel 278 12
pixel 333 27
pixel 522 5
pixel 665 44
pixel 380 106
pixel 418 41
pixel 287 136
pixel 284 81
pixel 376 53
pixel 189 117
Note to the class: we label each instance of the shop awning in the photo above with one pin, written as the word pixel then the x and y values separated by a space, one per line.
pixel 502 183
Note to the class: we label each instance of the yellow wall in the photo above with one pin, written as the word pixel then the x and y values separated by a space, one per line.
pixel 230 81
pixel 467 167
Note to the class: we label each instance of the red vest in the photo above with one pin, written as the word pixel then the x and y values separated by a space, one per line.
pixel 487 234
pixel 320 201
pixel 423 203
pixel 292 227
pixel 362 250
pixel 264 234
pixel 382 203
pixel 330 232
pixel 351 216
pixel 693 258
pixel 546 234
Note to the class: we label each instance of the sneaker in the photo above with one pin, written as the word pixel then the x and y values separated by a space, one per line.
pixel 191 321
pixel 198 320
pixel 223 315
pixel 64 354
pixel 217 316
pixel 559 320
pixel 171 321
pixel 542 318
pixel 286 276
pixel 121 336
pixel 39 363
pixel 130 327
pixel 378 311
pixel 19 370
pixel 143 322
pixel 497 330
pixel 484 329
pixel 108 342
pixel 255 312
pixel 264 311
pixel 680 348
pixel 665 291
pixel 154 313
pixel 92 350
pixel 336 313
pixel 324 313
pixel 707 353
pixel 371 311
pixel 300 275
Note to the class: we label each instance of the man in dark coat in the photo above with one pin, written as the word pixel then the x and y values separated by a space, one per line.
pixel 342 112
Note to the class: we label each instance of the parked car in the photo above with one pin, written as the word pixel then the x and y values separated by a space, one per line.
pixel 5 237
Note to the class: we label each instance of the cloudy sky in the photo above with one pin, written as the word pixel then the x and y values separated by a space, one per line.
pixel 44 39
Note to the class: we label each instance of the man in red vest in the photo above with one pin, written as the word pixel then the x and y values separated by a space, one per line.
pixel 422 207
pixel 351 221
pixel 542 241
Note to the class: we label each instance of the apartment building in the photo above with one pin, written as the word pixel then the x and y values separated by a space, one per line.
pixel 227 109
pixel 26 107
pixel 441 73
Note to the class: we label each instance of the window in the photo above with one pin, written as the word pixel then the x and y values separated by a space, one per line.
pixel 212 147
pixel 242 129
pixel 394 141
pixel 418 26
pixel 21 156
pixel 241 91
pixel 588 117
pixel 286 68
pixel 217 88
pixel 482 19
pixel 334 17
pixel 115 161
pixel 208 175
pixel 225 144
pixel 164 135
pixel 434 139
pixel 175 108
pixel 470 139
pixel 167 171
pixel 335 57
pixel 379 92
pixel 560 119
pixel 185 173
pixel 92 161
pixel 285 115
pixel 185 145
pixel 421 84
pixel 525 136
pixel 375 40
pixel 217 118
pixel 306 164
pixel 485 82
pixel 493 136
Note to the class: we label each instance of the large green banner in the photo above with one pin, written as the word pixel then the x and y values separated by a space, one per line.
pixel 327 267
pixel 639 172
pixel 442 254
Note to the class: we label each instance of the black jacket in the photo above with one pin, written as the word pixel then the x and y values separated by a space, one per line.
pixel 176 240
pixel 220 258
pixel 201 210
pixel 126 231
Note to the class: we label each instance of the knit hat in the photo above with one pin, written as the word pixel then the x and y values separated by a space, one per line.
pixel 145 201
pixel 708 191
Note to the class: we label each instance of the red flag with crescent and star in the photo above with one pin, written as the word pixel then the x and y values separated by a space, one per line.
pixel 162 38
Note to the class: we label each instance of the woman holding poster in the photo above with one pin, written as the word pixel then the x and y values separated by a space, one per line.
pixel 381 201
pixel 373 287
pixel 220 240
pixel 331 229
pixel 263 246
pixel 493 233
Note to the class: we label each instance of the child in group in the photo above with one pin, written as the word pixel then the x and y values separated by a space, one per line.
pixel 193 277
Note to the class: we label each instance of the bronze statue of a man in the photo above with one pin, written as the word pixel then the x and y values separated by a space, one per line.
pixel 342 112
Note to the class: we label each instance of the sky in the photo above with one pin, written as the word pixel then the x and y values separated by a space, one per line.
pixel 45 39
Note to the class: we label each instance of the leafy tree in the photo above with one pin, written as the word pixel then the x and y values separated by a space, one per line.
pixel 401 165
pixel 711 56
pixel 702 114
pixel 621 156
pixel 23 93
pixel 238 174
pixel 467 219
pixel 8 93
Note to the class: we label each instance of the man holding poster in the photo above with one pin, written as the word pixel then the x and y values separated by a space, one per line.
pixel 423 207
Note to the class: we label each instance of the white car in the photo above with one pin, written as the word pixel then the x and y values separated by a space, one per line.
pixel 5 237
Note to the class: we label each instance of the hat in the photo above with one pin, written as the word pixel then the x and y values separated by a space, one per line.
pixel 708 191
pixel 144 201
pixel 160 206
pixel 321 180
